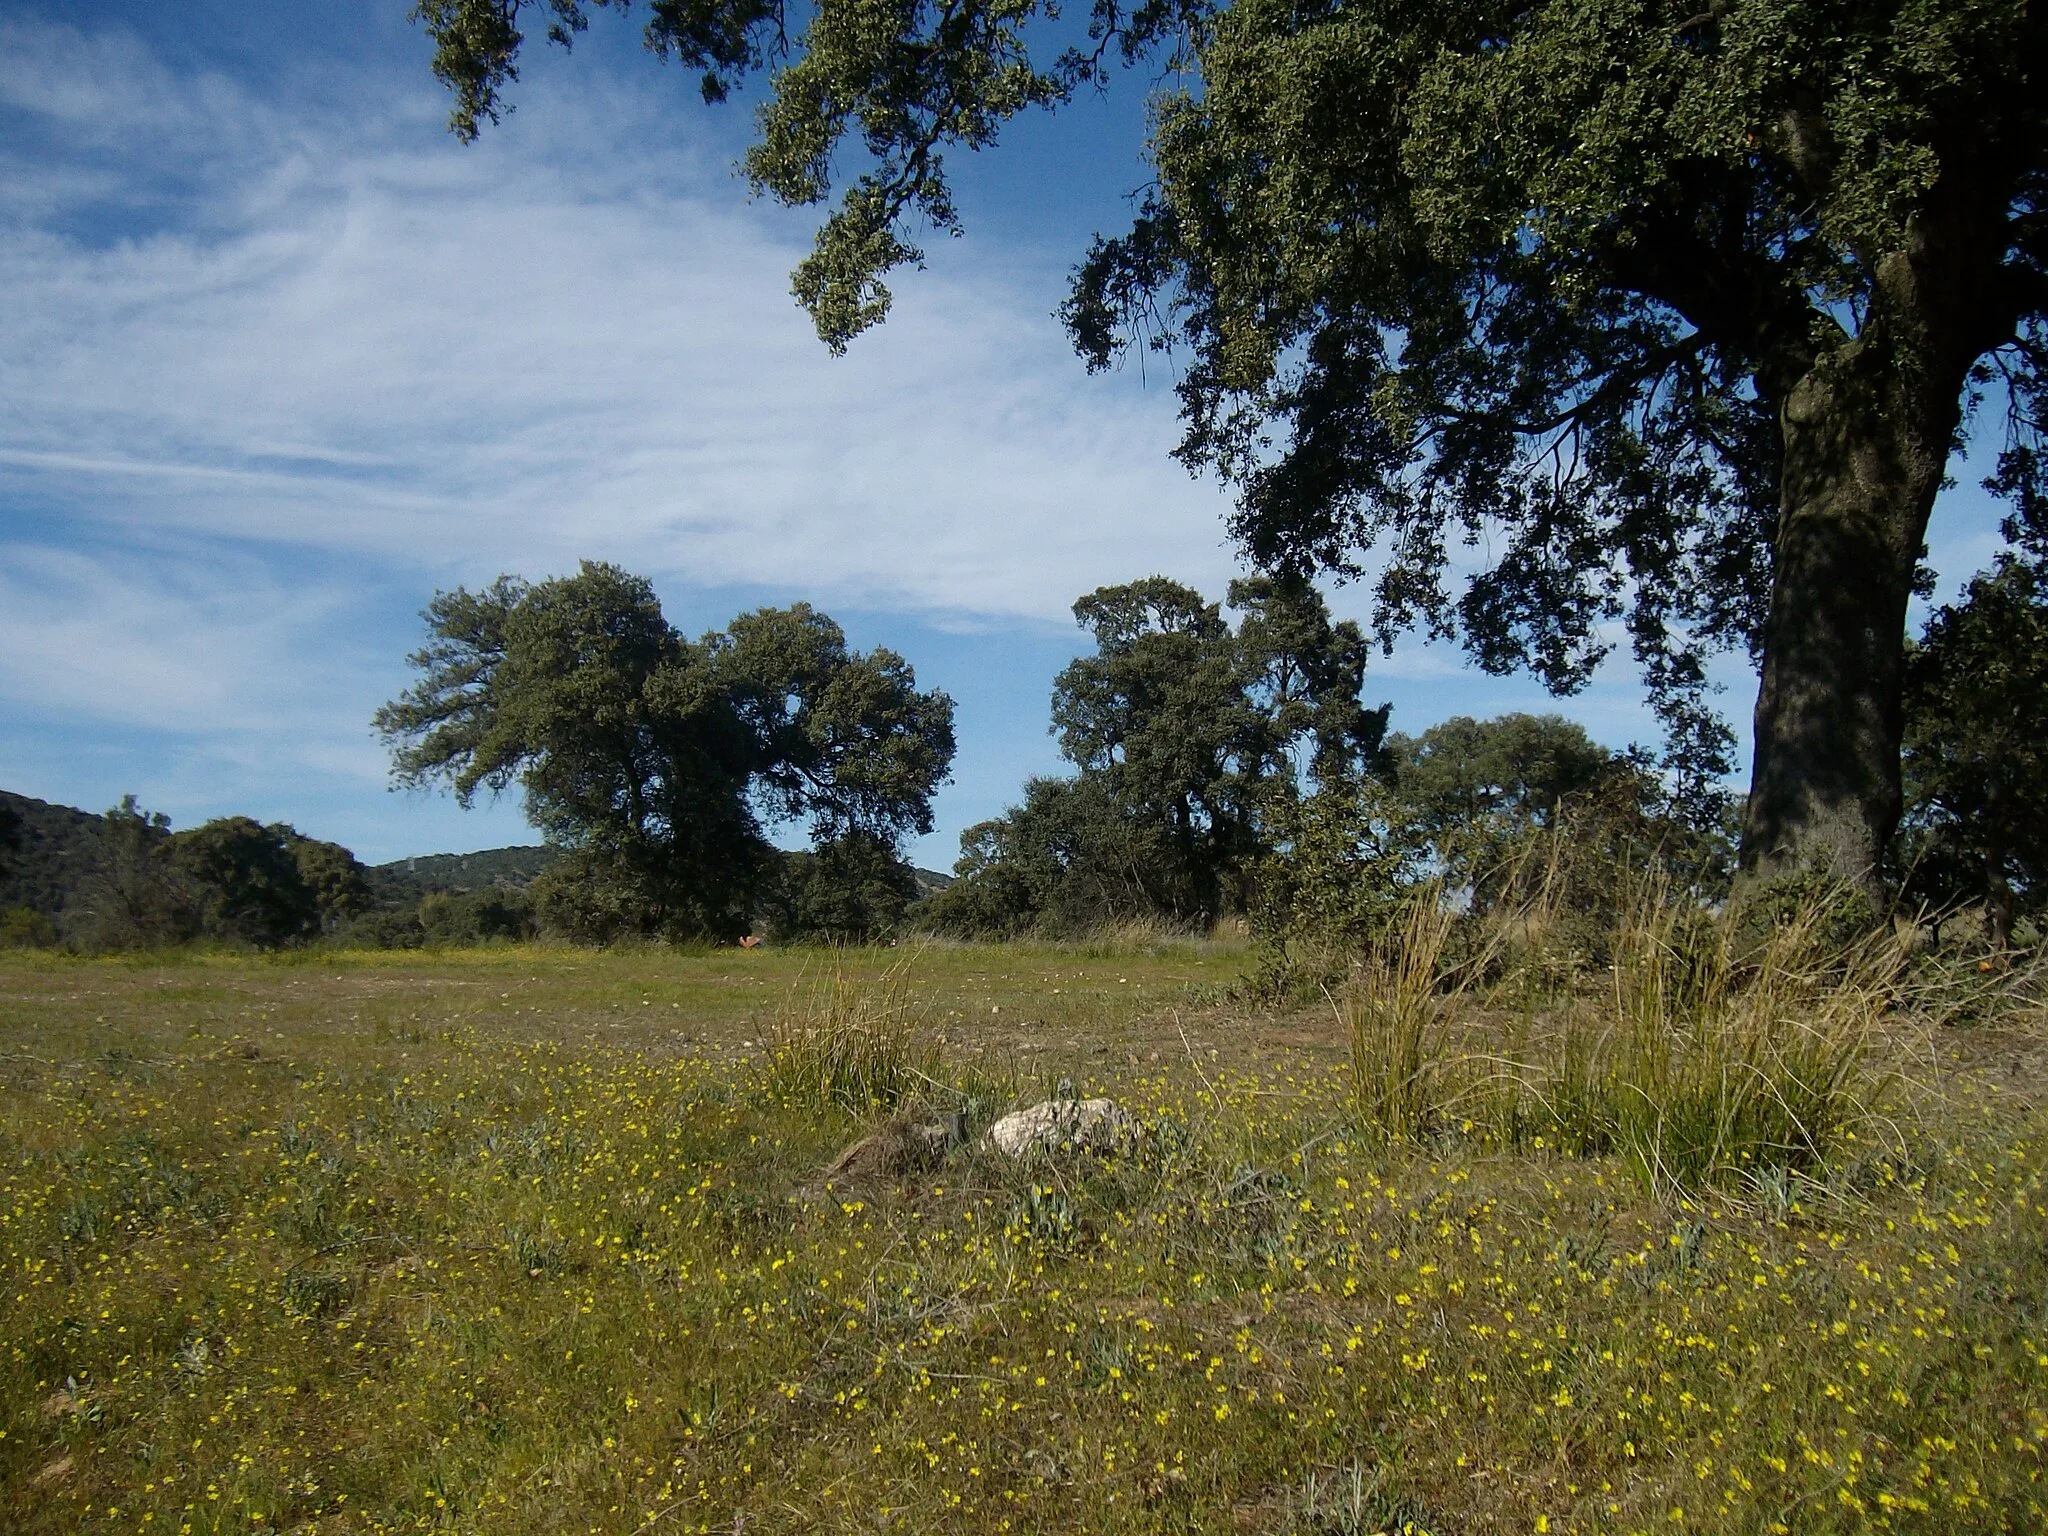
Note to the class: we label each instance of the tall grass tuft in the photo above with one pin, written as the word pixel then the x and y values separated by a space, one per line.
pixel 1734 1060
pixel 1709 1052
pixel 1392 1013
pixel 855 1041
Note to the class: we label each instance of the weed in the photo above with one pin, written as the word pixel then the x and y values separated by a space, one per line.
pixel 1354 1501
pixel 1725 1068
pixel 307 1294
pixel 854 1042
pixel 1392 1015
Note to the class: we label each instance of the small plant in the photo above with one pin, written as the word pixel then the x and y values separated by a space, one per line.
pixel 534 1254
pixel 1729 1066
pixel 1392 1013
pixel 853 1042
pixel 312 1293
pixel 1044 1215
pixel 1354 1501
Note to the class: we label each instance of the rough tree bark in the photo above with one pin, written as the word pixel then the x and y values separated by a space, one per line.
pixel 1860 478
pixel 1867 433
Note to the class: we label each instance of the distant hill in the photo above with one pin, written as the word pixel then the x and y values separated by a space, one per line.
pixel 58 843
pixel 55 852
pixel 404 881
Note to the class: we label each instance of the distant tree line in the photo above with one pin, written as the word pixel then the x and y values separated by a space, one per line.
pixel 1228 768
pixel 1224 763
pixel 1235 769
pixel 125 880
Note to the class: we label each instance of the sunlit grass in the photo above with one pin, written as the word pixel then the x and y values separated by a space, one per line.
pixel 520 1244
pixel 852 1041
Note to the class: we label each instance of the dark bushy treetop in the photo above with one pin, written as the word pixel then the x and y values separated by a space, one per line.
pixel 1185 731
pixel 1976 758
pixel 654 759
pixel 246 882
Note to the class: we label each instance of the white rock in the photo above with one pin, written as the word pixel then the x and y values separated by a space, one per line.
pixel 1089 1125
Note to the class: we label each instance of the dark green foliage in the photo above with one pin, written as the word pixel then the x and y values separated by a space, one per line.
pixel 1672 307
pixel 53 851
pixel 1068 859
pixel 1470 792
pixel 1676 309
pixel 246 881
pixel 1332 880
pixel 651 759
pixel 475 917
pixel 266 885
pixel 1976 759
pixel 26 928
pixel 133 894
pixel 1521 814
pixel 125 881
pixel 337 880
pixel 836 738
pixel 406 880
pixel 853 889
pixel 446 899
pixel 1187 734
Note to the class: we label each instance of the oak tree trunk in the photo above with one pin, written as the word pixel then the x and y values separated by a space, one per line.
pixel 1866 438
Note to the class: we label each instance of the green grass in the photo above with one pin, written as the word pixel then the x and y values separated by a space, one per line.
pixel 528 1241
pixel 1711 1057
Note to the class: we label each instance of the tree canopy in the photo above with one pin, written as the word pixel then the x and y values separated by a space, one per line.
pixel 1672 306
pixel 264 885
pixel 1976 763
pixel 1186 731
pixel 655 759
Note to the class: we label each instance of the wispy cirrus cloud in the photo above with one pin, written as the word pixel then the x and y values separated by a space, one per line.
pixel 273 371
pixel 472 359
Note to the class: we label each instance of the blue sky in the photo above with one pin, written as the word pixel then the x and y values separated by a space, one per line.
pixel 279 358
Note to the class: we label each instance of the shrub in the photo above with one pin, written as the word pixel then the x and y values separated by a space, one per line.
pixel 1392 1015
pixel 854 1042
pixel 1717 1053
pixel 26 928
pixel 1731 1064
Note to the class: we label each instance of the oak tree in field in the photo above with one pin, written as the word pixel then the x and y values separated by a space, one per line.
pixel 1673 306
pixel 1186 731
pixel 245 881
pixel 654 759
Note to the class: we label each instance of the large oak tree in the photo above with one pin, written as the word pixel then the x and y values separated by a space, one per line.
pixel 655 759
pixel 1673 307
pixel 1189 736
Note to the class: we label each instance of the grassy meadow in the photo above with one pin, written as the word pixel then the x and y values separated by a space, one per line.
pixel 534 1240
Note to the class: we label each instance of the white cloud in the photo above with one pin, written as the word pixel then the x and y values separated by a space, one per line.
pixel 466 361
pixel 167 642
pixel 275 367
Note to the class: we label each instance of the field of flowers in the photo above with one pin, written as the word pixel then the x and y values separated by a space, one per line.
pixel 526 1241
